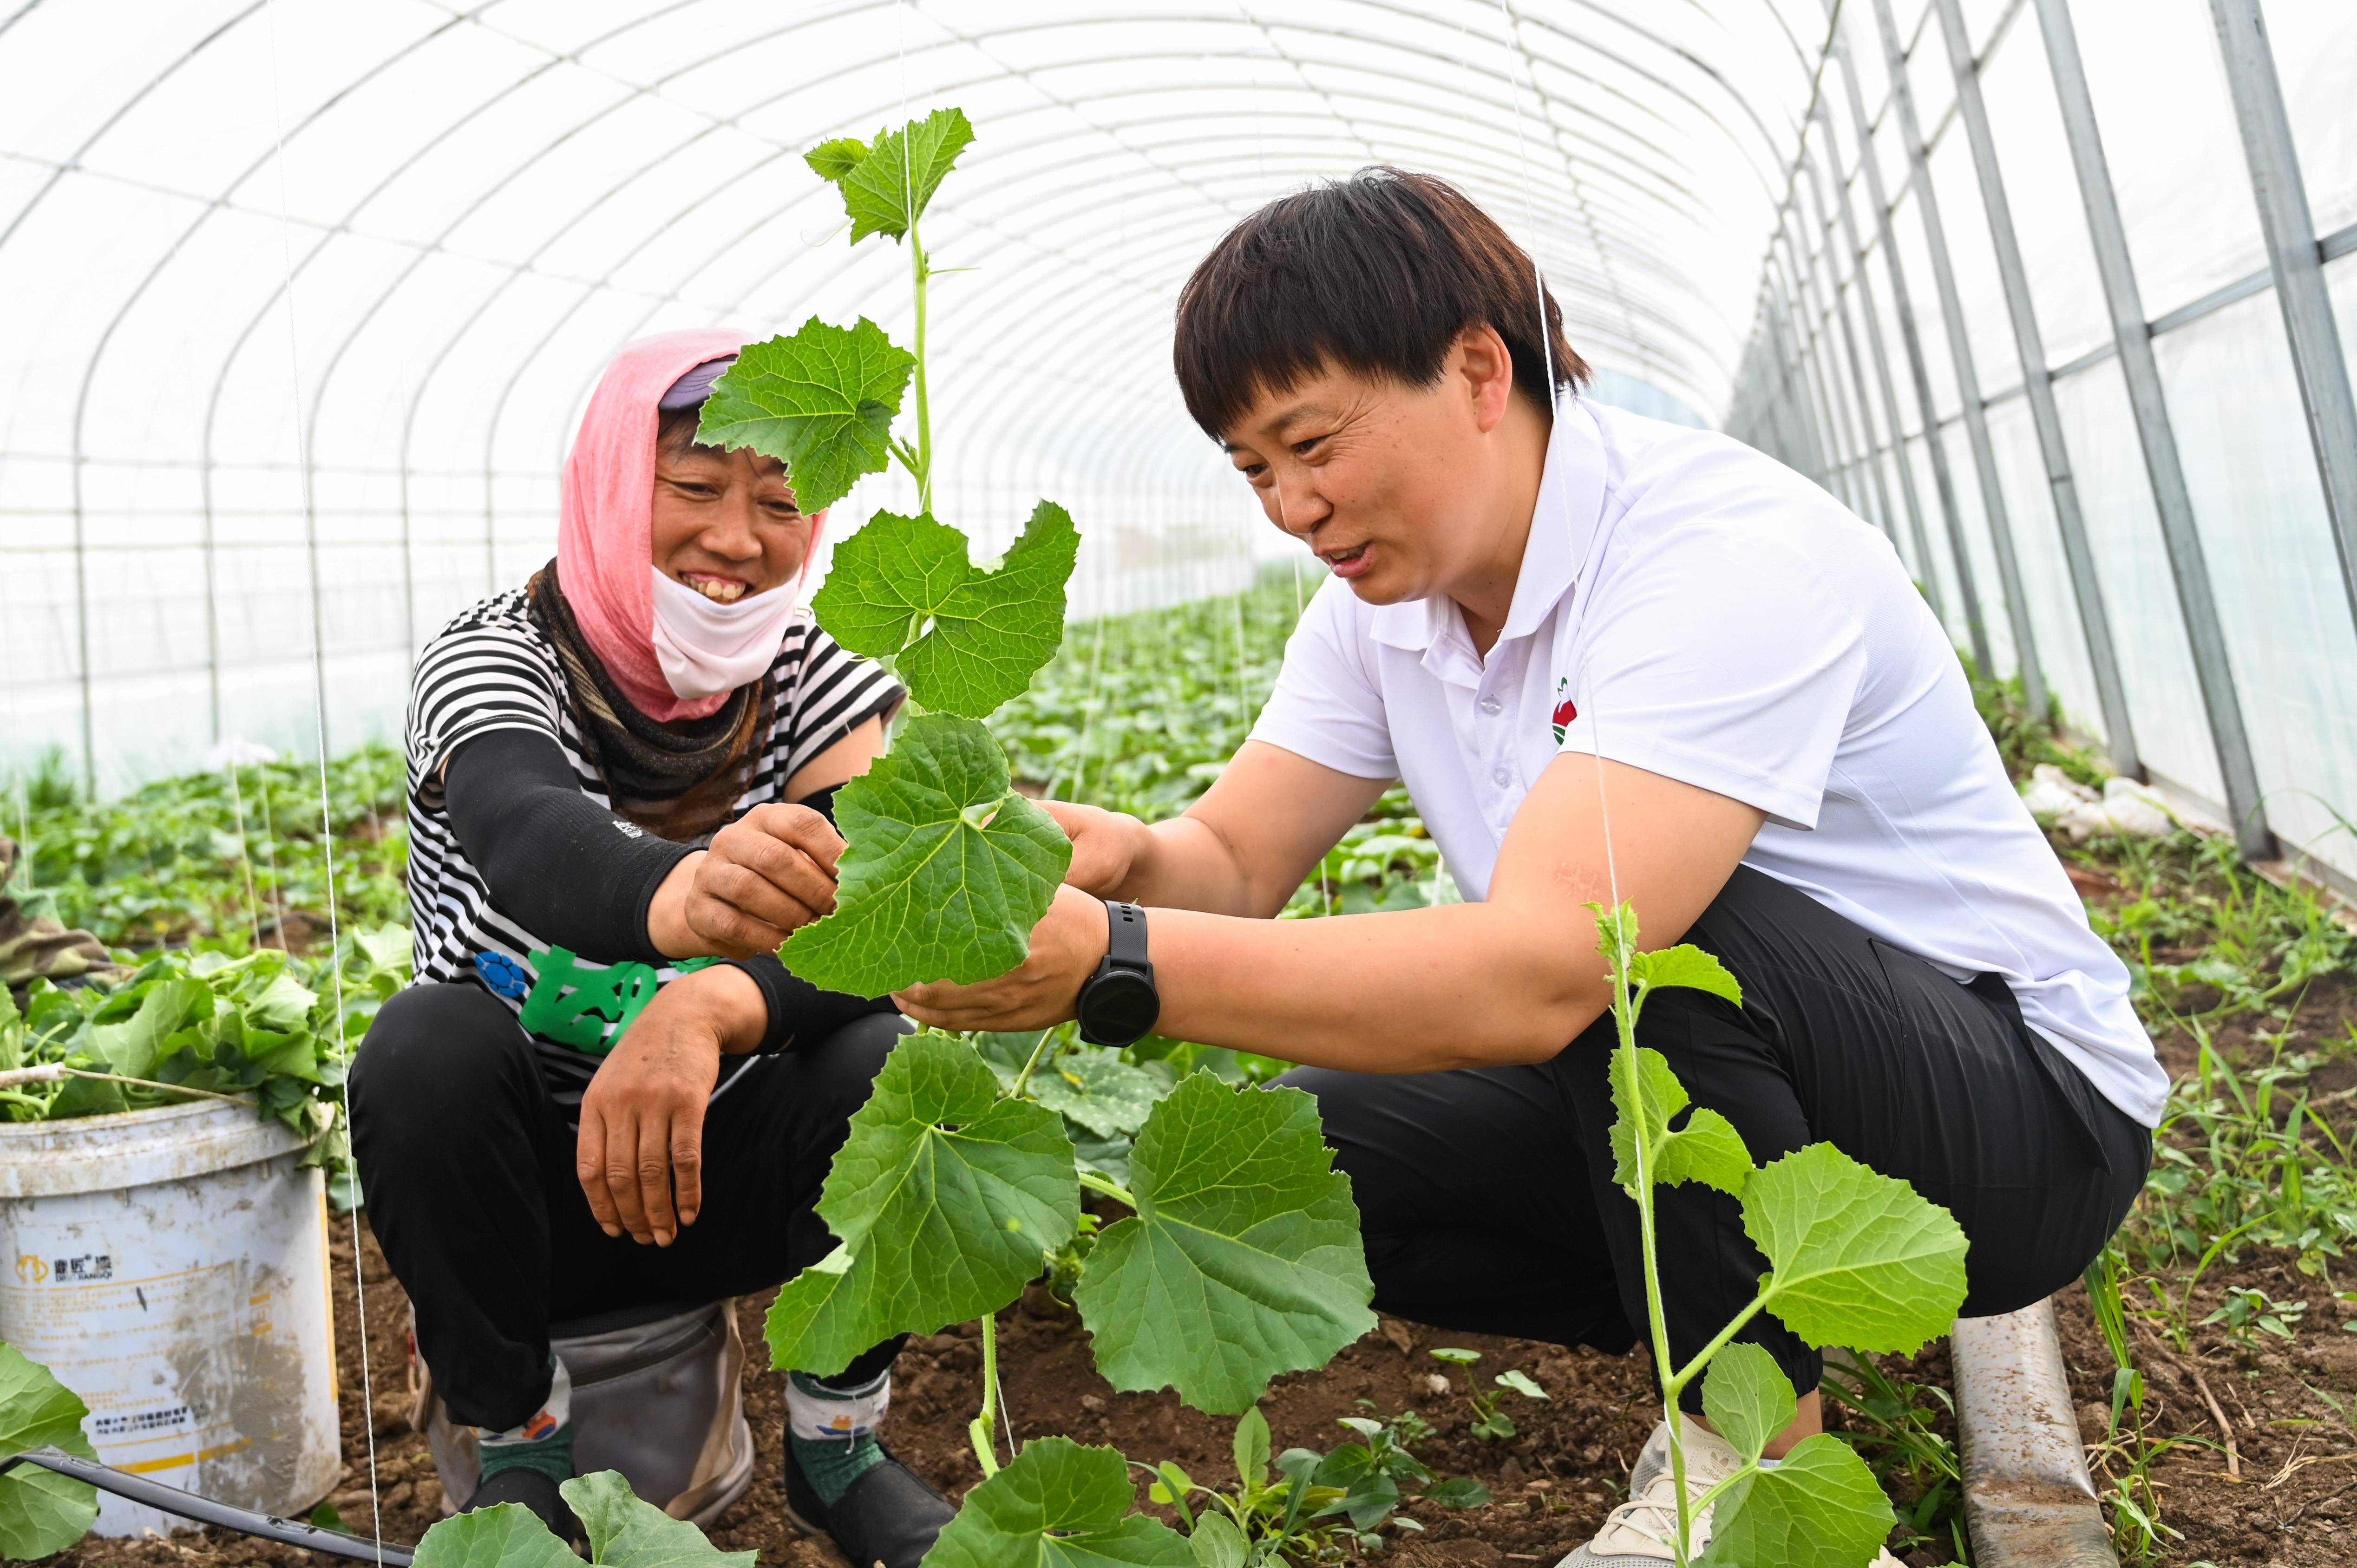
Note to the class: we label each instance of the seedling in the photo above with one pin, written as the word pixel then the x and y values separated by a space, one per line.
pixel 1855 1259
pixel 1355 1489
pixel 2249 1312
pixel 1491 1423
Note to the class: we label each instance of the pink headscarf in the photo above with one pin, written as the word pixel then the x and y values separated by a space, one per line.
pixel 605 532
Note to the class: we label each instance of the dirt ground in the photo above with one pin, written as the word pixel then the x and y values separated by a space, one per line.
pixel 2291 1495
pixel 1552 1483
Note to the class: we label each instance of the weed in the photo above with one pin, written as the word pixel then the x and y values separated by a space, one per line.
pixel 1491 1423
pixel 1355 1490
pixel 1895 1425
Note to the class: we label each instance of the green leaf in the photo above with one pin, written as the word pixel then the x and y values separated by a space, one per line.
pixel 1252 1448
pixel 1520 1381
pixel 1099 1091
pixel 627 1532
pixel 1218 1544
pixel 1244 1259
pixel 130 1047
pixel 886 186
pixel 946 1199
pixel 979 637
pixel 1859 1258
pixel 947 869
pixel 1746 1396
pixel 1707 1149
pixel 506 1535
pixel 820 402
pixel 1059 1505
pixel 284 1006
pixel 40 1511
pixel 1458 1492
pixel 1820 1508
pixel 1453 1356
pixel 1687 965
pixel 832 160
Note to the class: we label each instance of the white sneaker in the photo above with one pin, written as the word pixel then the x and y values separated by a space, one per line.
pixel 1637 1534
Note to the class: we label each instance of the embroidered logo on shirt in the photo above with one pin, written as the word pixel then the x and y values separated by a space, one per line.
pixel 1566 710
pixel 629 830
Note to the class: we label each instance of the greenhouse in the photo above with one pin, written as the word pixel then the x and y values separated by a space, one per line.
pixel 1563 707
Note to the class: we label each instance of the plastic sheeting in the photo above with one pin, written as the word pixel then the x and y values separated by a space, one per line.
pixel 299 301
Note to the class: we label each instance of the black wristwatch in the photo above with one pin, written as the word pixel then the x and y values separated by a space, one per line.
pixel 1118 1003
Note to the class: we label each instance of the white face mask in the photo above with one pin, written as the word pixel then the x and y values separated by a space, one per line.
pixel 706 648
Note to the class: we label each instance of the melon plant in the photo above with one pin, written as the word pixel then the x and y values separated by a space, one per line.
pixel 1238 1258
pixel 1856 1258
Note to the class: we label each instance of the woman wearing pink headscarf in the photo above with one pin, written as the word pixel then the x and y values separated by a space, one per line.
pixel 604 1093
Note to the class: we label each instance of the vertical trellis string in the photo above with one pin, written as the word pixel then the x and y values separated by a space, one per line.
pixel 320 715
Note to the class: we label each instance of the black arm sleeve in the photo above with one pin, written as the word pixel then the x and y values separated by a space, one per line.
pixel 798 1010
pixel 571 871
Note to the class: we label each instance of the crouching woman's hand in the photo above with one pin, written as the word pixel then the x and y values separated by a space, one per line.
pixel 639 1158
pixel 767 873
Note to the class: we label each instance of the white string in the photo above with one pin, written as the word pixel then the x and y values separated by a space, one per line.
pixel 319 719
pixel 1585 682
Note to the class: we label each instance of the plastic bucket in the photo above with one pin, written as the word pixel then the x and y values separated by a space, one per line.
pixel 170 1266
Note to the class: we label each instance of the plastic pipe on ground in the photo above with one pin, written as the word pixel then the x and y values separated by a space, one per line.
pixel 2028 1500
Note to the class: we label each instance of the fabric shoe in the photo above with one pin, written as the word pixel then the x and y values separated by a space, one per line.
pixel 887 1517
pixel 1638 1533
pixel 536 1489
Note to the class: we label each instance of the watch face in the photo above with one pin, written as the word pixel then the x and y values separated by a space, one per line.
pixel 1118 1008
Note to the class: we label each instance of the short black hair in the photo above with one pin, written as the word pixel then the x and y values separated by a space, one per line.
pixel 1377 273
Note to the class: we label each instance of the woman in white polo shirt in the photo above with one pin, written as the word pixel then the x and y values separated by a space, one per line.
pixel 1545 615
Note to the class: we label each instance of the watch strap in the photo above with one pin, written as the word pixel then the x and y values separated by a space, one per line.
pixel 1126 937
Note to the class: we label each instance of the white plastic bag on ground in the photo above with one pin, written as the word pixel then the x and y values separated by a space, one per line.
pixel 2051 793
pixel 2125 807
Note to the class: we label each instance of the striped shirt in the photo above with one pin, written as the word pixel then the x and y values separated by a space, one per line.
pixel 493 669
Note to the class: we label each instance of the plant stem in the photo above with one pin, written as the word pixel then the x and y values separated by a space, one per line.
pixel 1693 1369
pixel 919 272
pixel 979 1429
pixel 1023 1078
pixel 1624 1013
pixel 1107 1185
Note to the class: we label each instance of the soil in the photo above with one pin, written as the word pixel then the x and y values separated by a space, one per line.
pixel 1552 1483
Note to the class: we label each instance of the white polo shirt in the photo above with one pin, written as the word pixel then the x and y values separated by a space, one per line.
pixel 1692 607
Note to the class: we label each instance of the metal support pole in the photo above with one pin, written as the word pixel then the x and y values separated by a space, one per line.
pixel 2133 333
pixel 1796 376
pixel 1968 381
pixel 2298 268
pixel 1902 307
pixel 1822 414
pixel 1857 416
pixel 1799 436
pixel 1883 380
pixel 1878 476
pixel 1827 380
pixel 2038 386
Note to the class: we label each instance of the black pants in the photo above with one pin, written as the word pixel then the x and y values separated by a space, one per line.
pixel 1487 1194
pixel 468 1167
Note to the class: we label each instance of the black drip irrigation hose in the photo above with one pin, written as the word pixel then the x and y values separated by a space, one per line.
pixel 205 1511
